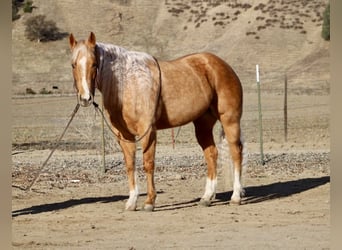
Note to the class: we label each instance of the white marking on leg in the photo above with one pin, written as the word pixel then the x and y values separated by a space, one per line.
pixel 210 189
pixel 237 188
pixel 131 204
pixel 83 64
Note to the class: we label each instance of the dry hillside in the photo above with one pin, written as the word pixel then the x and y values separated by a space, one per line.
pixel 280 35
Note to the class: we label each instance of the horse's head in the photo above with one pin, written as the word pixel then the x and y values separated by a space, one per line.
pixel 84 67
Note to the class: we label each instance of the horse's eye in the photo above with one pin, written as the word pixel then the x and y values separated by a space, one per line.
pixel 73 65
pixel 94 65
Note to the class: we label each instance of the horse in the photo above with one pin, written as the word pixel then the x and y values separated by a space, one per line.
pixel 142 95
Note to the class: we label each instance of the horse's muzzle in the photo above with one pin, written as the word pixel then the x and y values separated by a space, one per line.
pixel 85 102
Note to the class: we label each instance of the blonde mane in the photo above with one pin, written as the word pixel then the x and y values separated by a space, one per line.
pixel 124 69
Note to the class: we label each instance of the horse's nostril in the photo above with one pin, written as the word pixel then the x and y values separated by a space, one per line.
pixel 85 101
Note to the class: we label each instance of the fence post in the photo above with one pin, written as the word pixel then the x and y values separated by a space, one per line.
pixel 260 117
pixel 285 108
pixel 103 143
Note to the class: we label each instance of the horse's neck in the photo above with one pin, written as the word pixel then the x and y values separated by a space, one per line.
pixel 119 68
pixel 109 76
pixel 107 54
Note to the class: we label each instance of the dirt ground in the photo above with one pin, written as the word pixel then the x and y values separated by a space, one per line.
pixel 74 206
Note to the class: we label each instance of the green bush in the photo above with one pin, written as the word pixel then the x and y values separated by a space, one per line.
pixel 28 7
pixel 326 23
pixel 42 30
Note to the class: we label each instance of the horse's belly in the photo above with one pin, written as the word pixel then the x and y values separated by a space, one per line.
pixel 181 112
pixel 186 92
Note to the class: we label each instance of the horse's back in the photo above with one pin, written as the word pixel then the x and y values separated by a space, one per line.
pixel 193 84
pixel 217 72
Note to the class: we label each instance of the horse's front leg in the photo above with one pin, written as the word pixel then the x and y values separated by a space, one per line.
pixel 149 149
pixel 129 150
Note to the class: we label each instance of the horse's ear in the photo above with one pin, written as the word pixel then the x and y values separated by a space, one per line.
pixel 92 39
pixel 72 41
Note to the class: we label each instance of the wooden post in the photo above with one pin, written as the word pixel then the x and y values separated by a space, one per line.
pixel 173 138
pixel 103 143
pixel 260 117
pixel 285 108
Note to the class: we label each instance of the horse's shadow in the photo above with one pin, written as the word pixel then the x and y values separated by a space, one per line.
pixel 282 189
pixel 254 194
pixel 49 207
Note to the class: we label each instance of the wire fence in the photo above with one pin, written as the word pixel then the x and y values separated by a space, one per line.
pixel 298 83
pixel 38 121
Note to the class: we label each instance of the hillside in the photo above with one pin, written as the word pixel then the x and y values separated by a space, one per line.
pixel 279 35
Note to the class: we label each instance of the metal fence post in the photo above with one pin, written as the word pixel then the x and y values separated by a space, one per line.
pixel 260 117
pixel 285 108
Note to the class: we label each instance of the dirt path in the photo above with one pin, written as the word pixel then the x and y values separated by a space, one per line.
pixel 287 203
pixel 286 206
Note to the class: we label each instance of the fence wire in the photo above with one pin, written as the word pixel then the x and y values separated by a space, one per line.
pixel 37 121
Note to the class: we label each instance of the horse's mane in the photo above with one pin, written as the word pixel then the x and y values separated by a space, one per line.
pixel 119 67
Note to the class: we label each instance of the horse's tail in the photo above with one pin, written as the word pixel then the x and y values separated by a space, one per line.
pixel 224 156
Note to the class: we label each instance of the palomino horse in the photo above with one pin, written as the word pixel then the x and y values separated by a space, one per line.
pixel 142 95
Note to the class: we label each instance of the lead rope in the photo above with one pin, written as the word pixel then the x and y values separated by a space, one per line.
pixel 38 172
pixel 117 134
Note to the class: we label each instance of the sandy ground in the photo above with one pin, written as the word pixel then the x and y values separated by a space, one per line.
pixel 74 206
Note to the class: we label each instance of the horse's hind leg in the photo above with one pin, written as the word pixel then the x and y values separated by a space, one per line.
pixel 232 130
pixel 203 129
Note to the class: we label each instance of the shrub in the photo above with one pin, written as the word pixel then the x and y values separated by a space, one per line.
pixel 42 30
pixel 28 7
pixel 43 91
pixel 15 9
pixel 30 91
pixel 326 23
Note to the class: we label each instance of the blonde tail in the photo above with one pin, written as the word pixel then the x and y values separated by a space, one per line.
pixel 224 155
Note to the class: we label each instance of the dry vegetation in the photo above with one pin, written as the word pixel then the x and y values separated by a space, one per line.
pixel 274 13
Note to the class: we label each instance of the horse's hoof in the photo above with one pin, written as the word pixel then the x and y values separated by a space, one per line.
pixel 148 208
pixel 130 208
pixel 204 203
pixel 235 202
